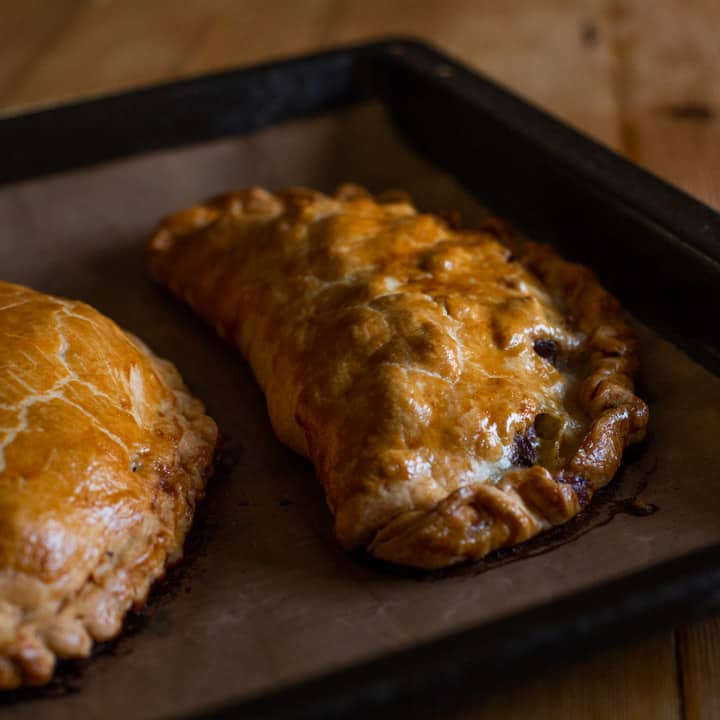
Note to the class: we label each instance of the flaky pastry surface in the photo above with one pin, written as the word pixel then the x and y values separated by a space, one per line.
pixel 452 398
pixel 103 455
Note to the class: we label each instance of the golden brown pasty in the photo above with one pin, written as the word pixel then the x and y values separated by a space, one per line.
pixel 453 399
pixel 103 455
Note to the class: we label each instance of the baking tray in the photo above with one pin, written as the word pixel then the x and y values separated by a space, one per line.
pixel 338 635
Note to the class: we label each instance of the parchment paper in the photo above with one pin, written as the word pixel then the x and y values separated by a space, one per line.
pixel 266 596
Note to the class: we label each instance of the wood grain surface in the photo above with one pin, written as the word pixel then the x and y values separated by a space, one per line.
pixel 641 77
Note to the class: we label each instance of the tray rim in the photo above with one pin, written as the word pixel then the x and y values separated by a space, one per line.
pixel 662 595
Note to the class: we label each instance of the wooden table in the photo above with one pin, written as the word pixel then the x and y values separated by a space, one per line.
pixel 641 77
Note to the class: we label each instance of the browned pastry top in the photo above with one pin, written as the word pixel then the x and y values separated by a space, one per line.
pixel 102 456
pixel 452 398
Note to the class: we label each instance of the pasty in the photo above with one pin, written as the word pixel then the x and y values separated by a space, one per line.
pixel 453 398
pixel 103 455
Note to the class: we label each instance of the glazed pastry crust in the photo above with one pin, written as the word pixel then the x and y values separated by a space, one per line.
pixel 453 399
pixel 103 456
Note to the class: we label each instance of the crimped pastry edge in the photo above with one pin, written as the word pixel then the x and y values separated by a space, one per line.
pixel 30 645
pixel 472 522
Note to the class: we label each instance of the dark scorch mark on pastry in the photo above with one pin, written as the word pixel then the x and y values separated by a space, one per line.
pixel 451 217
pixel 502 232
pixel 547 349
pixel 524 451
pixel 582 486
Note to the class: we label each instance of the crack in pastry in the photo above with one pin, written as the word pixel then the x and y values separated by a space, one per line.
pixel 453 399
pixel 103 456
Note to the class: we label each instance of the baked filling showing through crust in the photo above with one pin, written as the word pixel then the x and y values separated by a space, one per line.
pixel 103 455
pixel 453 398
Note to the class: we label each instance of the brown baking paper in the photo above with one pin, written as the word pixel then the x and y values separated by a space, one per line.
pixel 266 597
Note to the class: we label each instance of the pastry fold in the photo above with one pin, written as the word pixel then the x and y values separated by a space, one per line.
pixel 453 398
pixel 103 456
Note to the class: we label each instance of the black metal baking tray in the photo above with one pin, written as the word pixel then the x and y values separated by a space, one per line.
pixel 654 246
